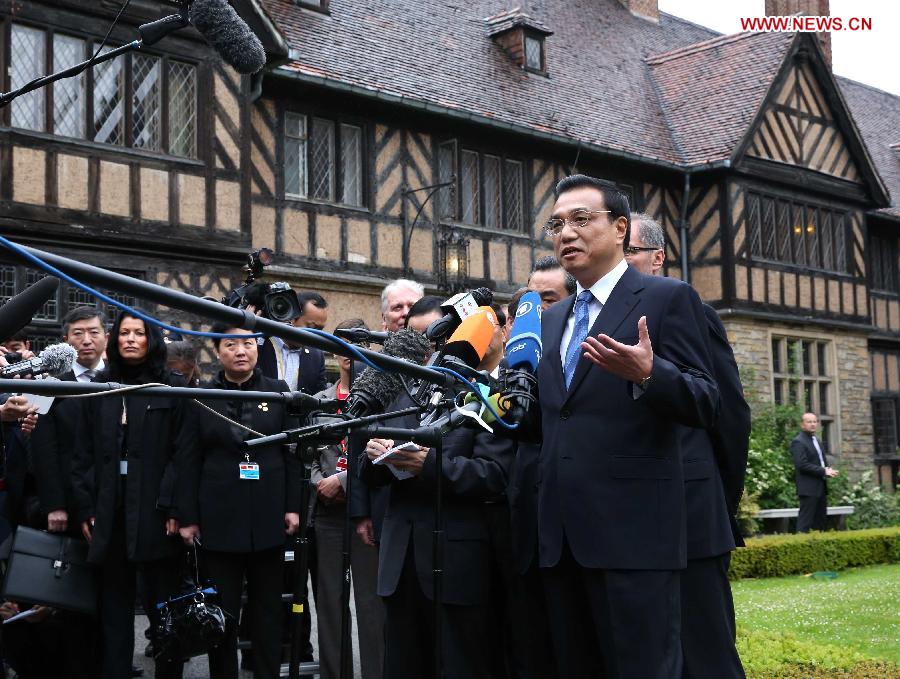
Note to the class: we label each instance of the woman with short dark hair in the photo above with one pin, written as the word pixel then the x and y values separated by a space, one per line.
pixel 241 505
pixel 124 472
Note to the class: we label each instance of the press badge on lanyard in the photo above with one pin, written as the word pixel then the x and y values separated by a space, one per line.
pixel 247 470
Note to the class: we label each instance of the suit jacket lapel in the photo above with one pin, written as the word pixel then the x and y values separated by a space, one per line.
pixel 620 303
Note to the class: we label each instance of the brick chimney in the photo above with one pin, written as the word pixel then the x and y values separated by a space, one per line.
pixel 645 9
pixel 807 8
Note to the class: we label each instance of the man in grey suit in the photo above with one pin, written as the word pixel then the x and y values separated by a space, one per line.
pixel 811 470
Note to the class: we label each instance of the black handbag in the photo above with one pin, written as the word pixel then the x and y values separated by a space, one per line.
pixel 51 570
pixel 189 624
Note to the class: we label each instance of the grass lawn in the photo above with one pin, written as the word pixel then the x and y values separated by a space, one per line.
pixel 858 611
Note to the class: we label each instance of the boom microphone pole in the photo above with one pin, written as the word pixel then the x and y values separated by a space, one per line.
pixel 239 318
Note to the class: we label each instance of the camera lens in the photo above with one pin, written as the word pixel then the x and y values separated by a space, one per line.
pixel 282 305
pixel 279 308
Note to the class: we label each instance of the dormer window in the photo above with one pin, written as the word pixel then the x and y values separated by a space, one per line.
pixel 534 52
pixel 521 37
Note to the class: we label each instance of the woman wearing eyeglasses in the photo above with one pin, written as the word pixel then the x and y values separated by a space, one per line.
pixel 240 505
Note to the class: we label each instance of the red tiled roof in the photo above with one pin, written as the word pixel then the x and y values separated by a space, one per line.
pixel 437 53
pixel 710 92
pixel 877 115
pixel 673 92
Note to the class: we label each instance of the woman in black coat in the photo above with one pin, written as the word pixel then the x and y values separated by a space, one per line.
pixel 241 505
pixel 123 486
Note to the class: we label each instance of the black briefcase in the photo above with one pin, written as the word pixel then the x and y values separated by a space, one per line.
pixel 50 570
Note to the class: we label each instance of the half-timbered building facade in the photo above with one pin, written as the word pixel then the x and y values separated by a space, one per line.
pixel 380 129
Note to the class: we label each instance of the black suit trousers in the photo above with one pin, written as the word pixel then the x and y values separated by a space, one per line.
pixel 518 612
pixel 613 624
pixel 409 633
pixel 118 589
pixel 707 620
pixel 264 572
pixel 813 513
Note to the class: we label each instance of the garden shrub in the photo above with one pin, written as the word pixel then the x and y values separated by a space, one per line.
pixel 779 555
pixel 874 508
pixel 774 655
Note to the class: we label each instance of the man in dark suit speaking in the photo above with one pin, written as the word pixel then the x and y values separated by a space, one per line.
pixel 811 470
pixel 626 361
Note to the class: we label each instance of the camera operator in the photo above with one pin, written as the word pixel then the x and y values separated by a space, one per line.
pixel 303 368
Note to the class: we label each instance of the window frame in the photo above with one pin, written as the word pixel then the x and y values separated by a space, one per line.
pixel 541 40
pixel 460 147
pixel 338 183
pixel 819 372
pixel 882 248
pixel 90 42
pixel 788 246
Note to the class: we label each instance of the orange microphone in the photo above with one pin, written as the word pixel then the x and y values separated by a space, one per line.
pixel 470 341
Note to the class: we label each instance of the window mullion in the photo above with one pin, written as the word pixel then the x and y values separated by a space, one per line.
pixel 128 104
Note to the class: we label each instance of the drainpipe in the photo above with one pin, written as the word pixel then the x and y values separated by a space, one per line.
pixel 683 229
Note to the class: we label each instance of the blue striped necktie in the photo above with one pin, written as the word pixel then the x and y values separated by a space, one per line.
pixel 579 334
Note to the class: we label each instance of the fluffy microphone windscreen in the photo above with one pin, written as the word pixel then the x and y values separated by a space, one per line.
pixel 375 389
pixel 18 311
pixel 58 359
pixel 229 35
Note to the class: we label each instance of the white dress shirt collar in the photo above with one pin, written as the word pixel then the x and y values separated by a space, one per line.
pixel 79 370
pixel 603 288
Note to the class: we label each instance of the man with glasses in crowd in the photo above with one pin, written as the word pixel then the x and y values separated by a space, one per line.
pixel 625 363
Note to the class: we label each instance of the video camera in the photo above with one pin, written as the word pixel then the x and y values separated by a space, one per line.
pixel 276 300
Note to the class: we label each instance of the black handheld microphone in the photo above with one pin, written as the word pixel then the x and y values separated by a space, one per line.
pixel 361 335
pixel 18 311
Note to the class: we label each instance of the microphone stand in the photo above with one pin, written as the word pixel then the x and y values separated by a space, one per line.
pixel 240 318
pixel 346 561
pixel 150 33
pixel 300 592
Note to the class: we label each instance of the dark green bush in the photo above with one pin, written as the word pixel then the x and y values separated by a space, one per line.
pixel 779 555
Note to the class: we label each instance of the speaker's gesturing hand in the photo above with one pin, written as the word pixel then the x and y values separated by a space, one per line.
pixel 630 362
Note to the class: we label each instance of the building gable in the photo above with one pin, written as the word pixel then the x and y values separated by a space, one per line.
pixel 799 128
pixel 804 131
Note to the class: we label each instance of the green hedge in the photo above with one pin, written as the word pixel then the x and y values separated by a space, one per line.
pixel 778 555
pixel 774 655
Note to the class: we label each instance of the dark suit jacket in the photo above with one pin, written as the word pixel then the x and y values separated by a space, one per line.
pixel 808 471
pixel 312 367
pixel 522 496
pixel 159 435
pixel 475 467
pixel 611 473
pixel 52 446
pixel 235 515
pixel 715 460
